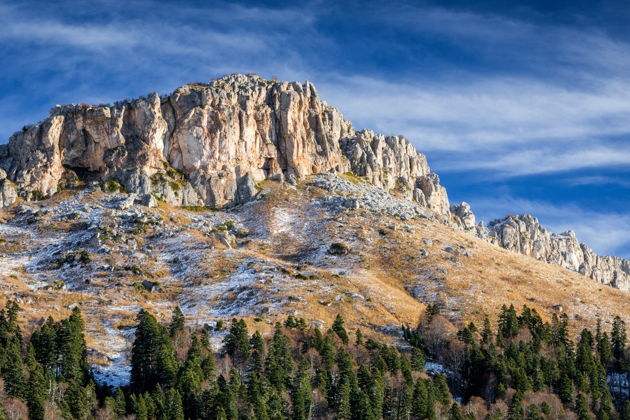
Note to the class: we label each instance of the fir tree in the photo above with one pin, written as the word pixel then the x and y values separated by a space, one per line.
pixel 515 411
pixel 455 413
pixel 77 401
pixel 359 340
pixel 37 393
pixel 618 338
pixel 174 408
pixel 486 333
pixel 152 357
pixel 339 329
pixel 417 359
pixel 13 371
pixel 177 322
pixel 581 408
pixel 237 341
pixel 120 403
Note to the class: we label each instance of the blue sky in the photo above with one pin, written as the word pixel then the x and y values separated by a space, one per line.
pixel 520 108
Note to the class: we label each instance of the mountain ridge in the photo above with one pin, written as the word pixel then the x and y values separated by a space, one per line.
pixel 212 144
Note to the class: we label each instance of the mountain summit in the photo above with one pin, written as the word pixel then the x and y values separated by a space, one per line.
pixel 212 144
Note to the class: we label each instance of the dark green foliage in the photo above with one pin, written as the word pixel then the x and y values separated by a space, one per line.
pixel 54 358
pixel 339 329
pixel 455 413
pixel 177 321
pixel 300 373
pixel 237 341
pixel 531 355
pixel 152 355
pixel 618 338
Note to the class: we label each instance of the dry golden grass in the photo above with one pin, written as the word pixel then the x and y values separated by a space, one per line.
pixel 373 286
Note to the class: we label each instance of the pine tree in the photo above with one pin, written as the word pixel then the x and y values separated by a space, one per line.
pixel 13 371
pixel 618 338
pixel 150 353
pixel 72 348
pixel 420 400
pixel 237 341
pixel 486 333
pixel 177 322
pixel 342 400
pixel 417 359
pixel 139 407
pixel 443 394
pixel 359 340
pixel 455 413
pixel 301 394
pixel 76 400
pixel 515 411
pixel 339 329
pixel 604 348
pixel 508 322
pixel 581 408
pixel 37 394
pixel 45 344
pixel 119 403
pixel 174 408
pixel 167 366
pixel 565 389
pixel 534 413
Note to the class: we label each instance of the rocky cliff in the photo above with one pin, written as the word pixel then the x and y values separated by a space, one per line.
pixel 525 235
pixel 209 144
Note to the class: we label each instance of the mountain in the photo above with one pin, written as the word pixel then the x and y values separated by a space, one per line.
pixel 210 144
pixel 255 199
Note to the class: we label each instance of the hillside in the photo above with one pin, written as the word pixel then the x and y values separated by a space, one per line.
pixel 329 244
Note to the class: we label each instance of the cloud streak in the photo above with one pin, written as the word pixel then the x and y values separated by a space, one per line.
pixel 477 92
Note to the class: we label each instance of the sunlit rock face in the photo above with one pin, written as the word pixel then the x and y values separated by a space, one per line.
pixel 209 144
pixel 525 235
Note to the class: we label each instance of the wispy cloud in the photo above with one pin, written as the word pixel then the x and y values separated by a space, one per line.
pixel 477 92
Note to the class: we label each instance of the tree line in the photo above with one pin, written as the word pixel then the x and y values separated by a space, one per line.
pixel 524 368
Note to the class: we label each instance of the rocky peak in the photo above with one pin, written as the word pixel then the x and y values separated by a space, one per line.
pixel 525 235
pixel 209 144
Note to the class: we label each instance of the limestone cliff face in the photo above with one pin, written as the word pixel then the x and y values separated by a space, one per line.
pixel 209 144
pixel 525 235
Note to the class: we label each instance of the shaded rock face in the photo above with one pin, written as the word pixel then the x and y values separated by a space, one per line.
pixel 210 144
pixel 8 191
pixel 464 217
pixel 525 235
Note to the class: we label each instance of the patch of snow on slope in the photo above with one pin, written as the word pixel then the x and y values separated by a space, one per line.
pixel 118 372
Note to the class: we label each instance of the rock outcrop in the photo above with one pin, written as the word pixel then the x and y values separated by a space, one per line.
pixel 210 144
pixel 8 191
pixel 525 235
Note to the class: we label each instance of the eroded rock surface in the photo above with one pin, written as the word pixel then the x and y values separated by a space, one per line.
pixel 210 144
pixel 525 235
